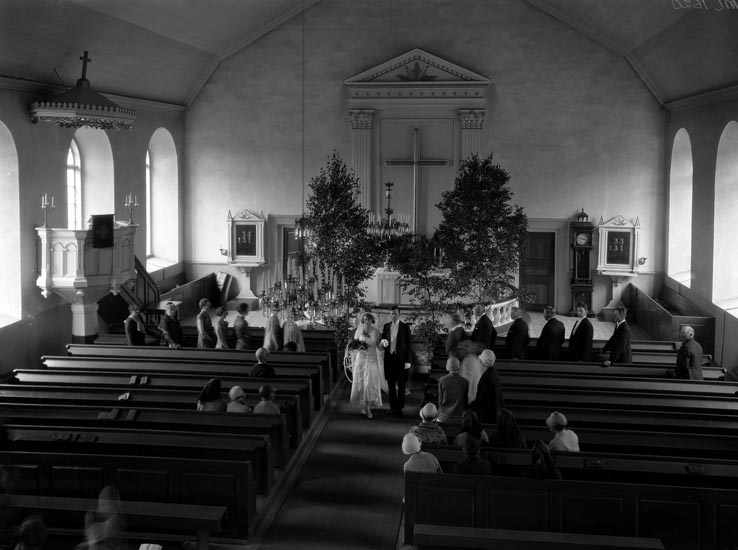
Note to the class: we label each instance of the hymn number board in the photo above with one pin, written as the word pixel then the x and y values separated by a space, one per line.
pixel 618 248
pixel 619 240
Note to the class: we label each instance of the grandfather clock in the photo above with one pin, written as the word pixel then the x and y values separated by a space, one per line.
pixel 580 235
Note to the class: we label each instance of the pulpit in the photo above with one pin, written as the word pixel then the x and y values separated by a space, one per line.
pixel 72 267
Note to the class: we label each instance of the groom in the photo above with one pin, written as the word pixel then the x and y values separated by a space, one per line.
pixel 397 347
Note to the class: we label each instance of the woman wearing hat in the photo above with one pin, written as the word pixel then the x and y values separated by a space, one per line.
pixel 418 461
pixel 209 398
pixel 238 400
pixel 564 440
pixel 428 431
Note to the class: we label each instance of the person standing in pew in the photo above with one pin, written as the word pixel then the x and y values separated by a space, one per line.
pixel 489 397
pixel 397 343
pixel 552 336
pixel 238 401
pixel 262 369
pixel 564 439
pixel 472 463
pixel 135 327
pixel 418 461
pixel 273 334
pixel 210 399
pixel 453 392
pixel 428 431
pixel 171 330
pixel 266 405
pixel 484 333
pixel 517 335
pixel 580 340
pixel 292 334
pixel 205 331
pixel 619 343
pixel 241 327
pixel 221 328
pixel 689 356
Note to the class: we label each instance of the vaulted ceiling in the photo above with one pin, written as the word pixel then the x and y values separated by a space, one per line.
pixel 166 50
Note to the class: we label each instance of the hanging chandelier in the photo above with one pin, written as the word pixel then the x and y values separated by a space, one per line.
pixel 83 106
pixel 390 227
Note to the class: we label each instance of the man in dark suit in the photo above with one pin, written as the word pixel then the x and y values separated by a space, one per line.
pixel 619 343
pixel 397 344
pixel 484 333
pixel 580 340
pixel 689 356
pixel 552 336
pixel 517 335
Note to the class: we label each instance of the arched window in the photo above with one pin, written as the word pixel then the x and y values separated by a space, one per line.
pixel 147 204
pixel 10 275
pixel 97 175
pixel 680 210
pixel 162 205
pixel 725 251
pixel 74 187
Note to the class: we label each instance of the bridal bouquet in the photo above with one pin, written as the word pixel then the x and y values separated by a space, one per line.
pixel 357 345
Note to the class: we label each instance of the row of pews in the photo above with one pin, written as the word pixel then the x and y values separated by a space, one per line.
pixel 126 416
pixel 658 465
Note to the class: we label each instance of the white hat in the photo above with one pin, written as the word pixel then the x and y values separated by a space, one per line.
pixel 429 412
pixel 410 444
pixel 235 393
pixel 452 364
pixel 488 358
pixel 556 421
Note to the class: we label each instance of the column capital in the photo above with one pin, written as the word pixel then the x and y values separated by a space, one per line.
pixel 471 119
pixel 361 119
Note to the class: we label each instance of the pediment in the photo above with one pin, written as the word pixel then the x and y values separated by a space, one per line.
pixel 417 75
pixel 246 214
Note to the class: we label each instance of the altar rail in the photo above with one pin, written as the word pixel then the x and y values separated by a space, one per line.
pixel 501 313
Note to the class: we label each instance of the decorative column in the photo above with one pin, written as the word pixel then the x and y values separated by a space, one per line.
pixel 84 321
pixel 361 151
pixel 472 121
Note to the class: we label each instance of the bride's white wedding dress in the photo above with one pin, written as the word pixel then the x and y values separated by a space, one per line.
pixel 368 370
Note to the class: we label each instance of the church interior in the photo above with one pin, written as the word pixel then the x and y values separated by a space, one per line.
pixel 213 118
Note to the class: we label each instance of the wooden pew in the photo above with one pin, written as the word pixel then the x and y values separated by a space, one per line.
pixel 141 398
pixel 622 467
pixel 89 377
pixel 273 426
pixel 213 368
pixel 684 518
pixel 152 516
pixel 243 357
pixel 139 478
pixel 430 537
pixel 78 439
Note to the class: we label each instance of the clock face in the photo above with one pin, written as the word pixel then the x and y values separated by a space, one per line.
pixel 582 239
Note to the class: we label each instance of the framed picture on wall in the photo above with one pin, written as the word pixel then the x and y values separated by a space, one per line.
pixel 246 238
pixel 619 240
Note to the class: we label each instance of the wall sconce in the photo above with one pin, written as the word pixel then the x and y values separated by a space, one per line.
pixel 223 251
pixel 642 261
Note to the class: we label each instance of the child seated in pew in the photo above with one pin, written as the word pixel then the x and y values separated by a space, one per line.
pixel 508 434
pixel 267 404
pixel 471 426
pixel 428 431
pixel 472 463
pixel 209 399
pixel 564 440
pixel 238 401
pixel 418 461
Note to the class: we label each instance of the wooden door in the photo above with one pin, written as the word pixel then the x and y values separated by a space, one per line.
pixel 537 269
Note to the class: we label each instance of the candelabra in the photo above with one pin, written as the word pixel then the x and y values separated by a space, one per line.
pixel 131 203
pixel 389 228
pixel 46 206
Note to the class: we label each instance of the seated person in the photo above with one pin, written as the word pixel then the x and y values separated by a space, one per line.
pixel 31 534
pixel 542 463
pixel 428 431
pixel 210 399
pixel 471 426
pixel 238 401
pixel 418 461
pixel 472 463
pixel 262 369
pixel 564 440
pixel 507 435
pixel 267 404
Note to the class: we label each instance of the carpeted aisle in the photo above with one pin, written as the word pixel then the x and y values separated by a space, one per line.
pixel 348 494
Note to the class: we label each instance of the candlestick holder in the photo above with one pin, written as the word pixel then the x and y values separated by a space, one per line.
pixel 131 203
pixel 46 206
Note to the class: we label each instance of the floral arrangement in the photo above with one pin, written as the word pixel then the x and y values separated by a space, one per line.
pixel 357 345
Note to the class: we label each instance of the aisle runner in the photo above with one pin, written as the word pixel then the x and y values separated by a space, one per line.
pixel 349 492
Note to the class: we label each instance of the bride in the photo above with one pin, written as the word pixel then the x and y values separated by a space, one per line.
pixel 366 388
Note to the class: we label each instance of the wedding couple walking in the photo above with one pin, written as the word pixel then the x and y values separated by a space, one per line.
pixel 381 364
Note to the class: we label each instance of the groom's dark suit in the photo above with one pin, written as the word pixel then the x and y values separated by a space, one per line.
pixel 394 363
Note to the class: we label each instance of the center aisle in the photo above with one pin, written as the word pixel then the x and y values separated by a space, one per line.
pixel 348 494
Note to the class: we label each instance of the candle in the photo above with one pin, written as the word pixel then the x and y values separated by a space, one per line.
pixel 52 201
pixel 43 200
pixel 343 284
pixel 135 199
